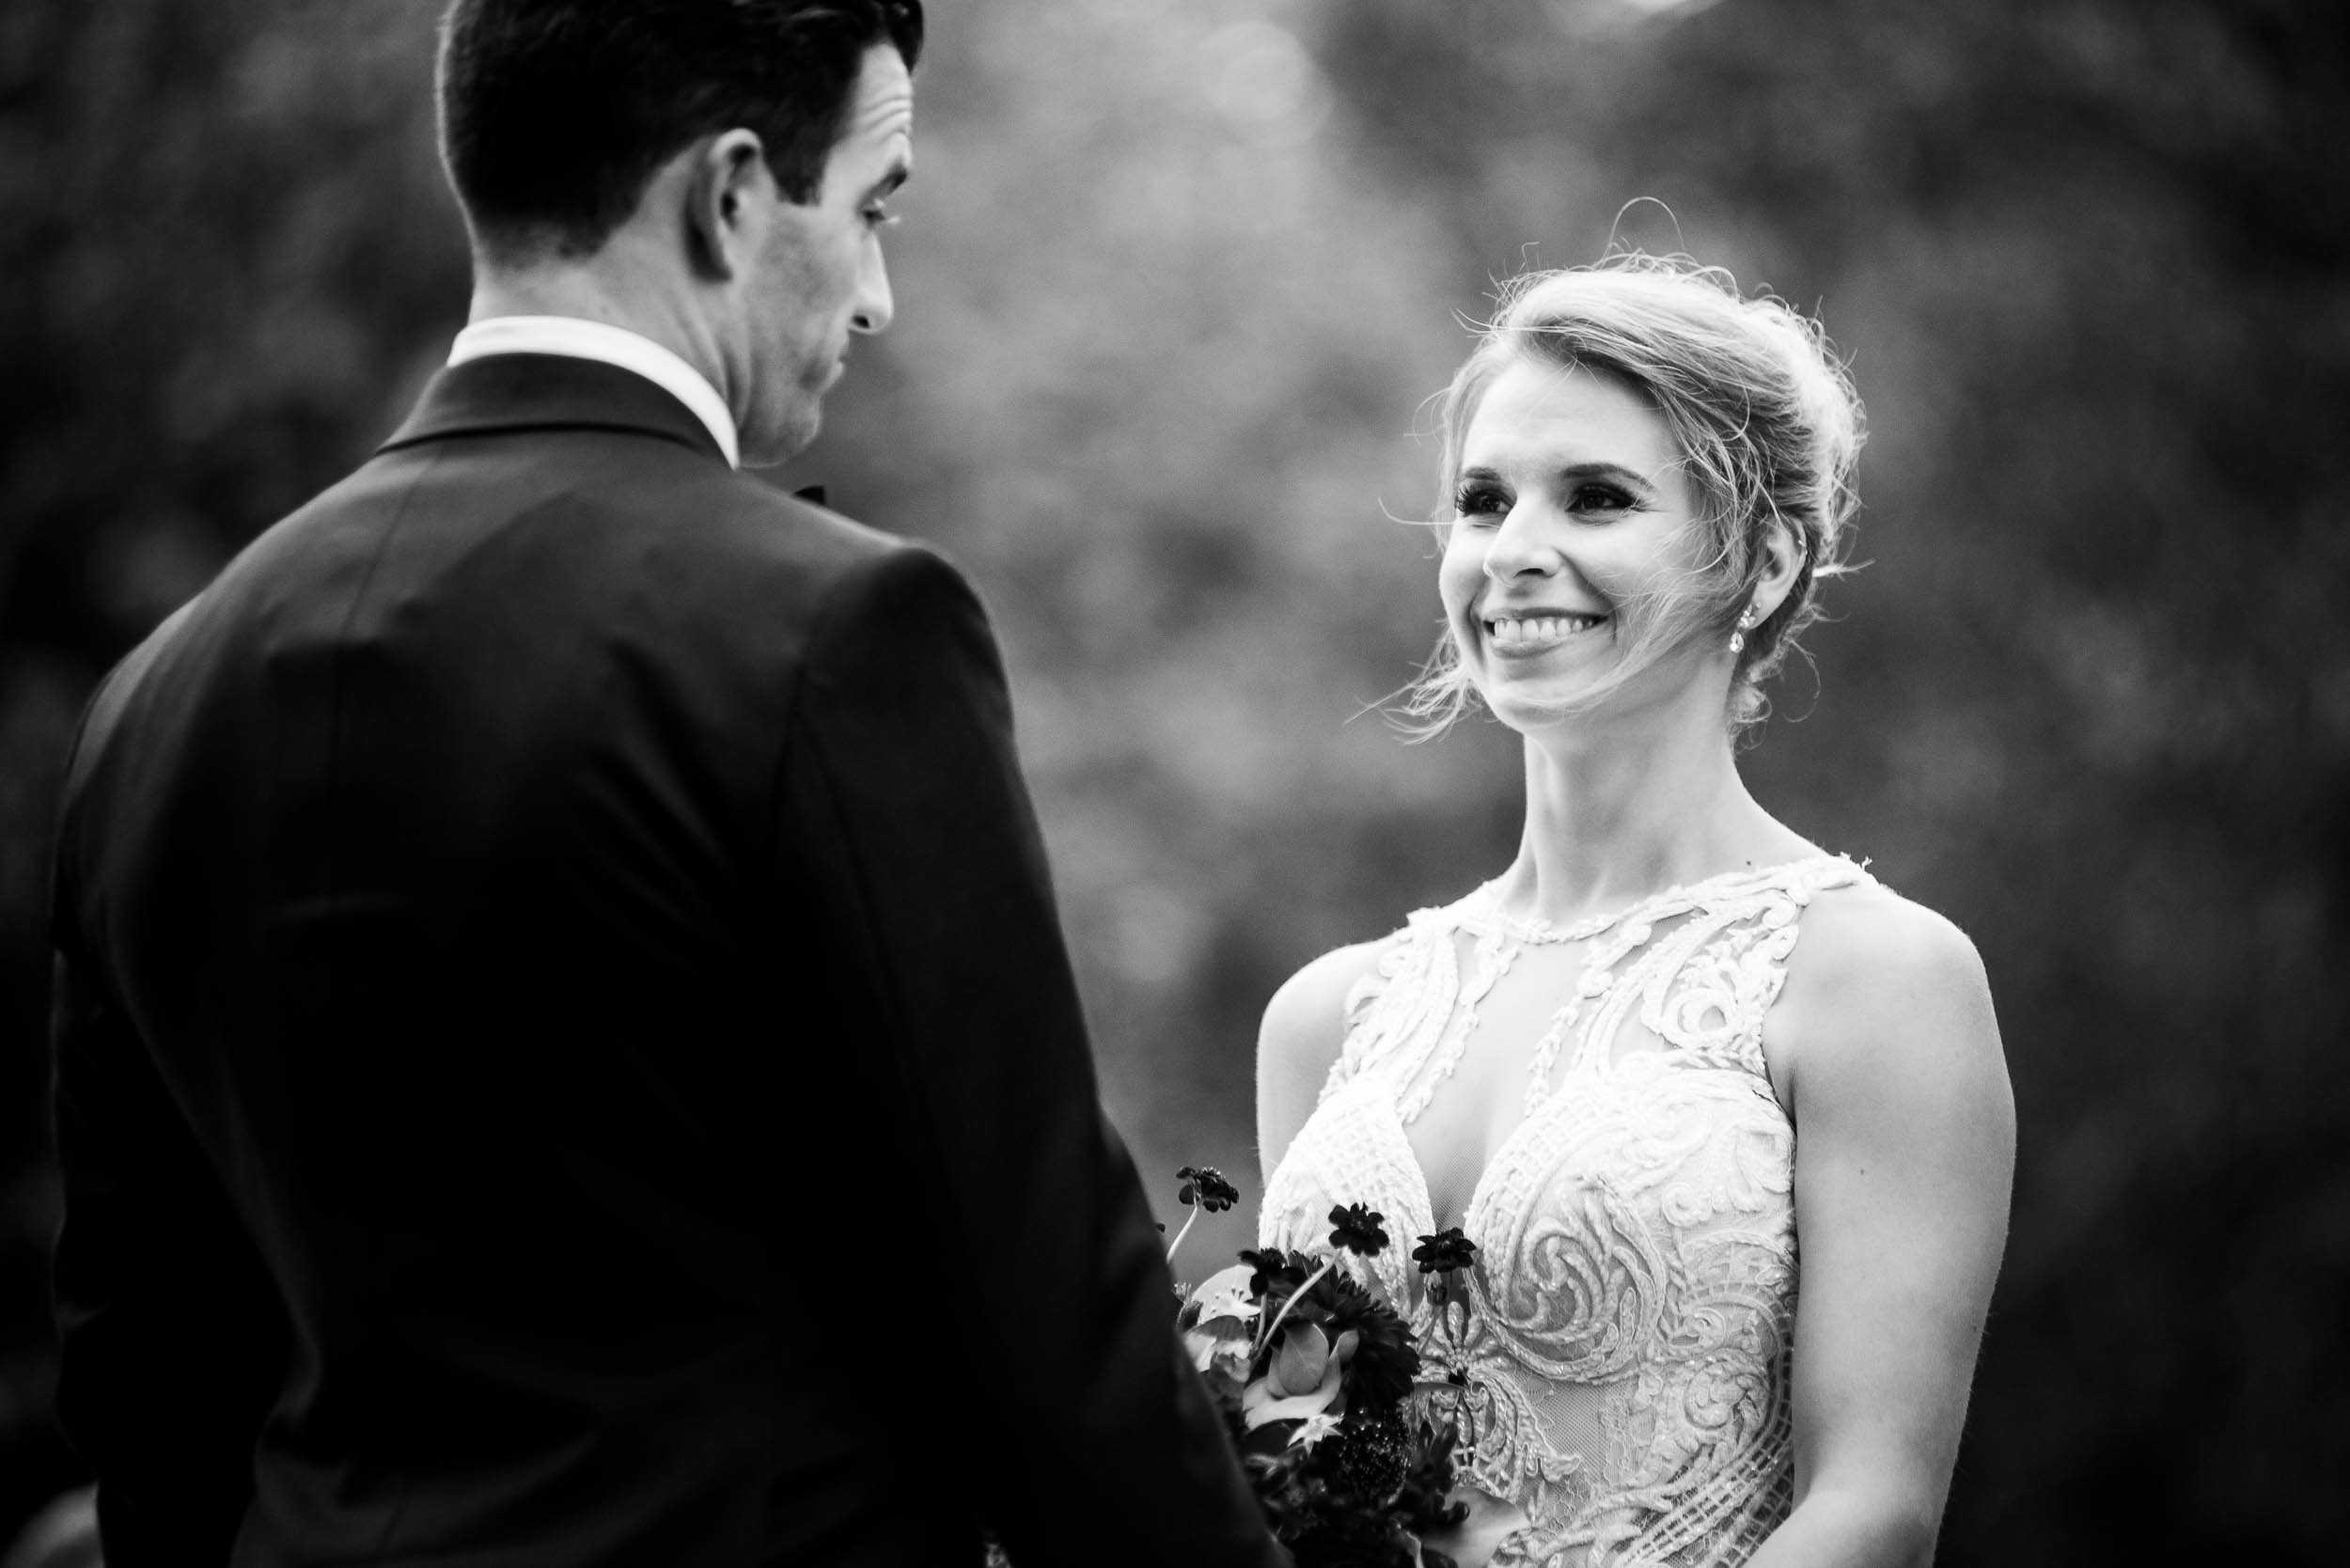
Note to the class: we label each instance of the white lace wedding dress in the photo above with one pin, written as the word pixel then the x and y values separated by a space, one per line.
pixel 1633 1302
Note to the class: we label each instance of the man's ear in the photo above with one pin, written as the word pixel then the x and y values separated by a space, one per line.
pixel 726 202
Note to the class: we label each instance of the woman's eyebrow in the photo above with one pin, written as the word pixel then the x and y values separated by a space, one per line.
pixel 1570 471
pixel 1616 471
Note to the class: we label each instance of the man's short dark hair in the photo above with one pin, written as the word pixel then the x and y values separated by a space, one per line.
pixel 555 113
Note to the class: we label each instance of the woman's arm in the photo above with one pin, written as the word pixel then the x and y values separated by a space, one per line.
pixel 1304 1025
pixel 1886 1046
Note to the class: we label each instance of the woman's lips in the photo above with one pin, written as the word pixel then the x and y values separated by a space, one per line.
pixel 1538 632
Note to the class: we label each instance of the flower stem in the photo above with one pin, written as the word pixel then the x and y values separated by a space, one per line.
pixel 1311 1281
pixel 1189 1221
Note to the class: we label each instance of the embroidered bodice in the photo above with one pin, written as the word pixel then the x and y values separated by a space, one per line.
pixel 1631 1308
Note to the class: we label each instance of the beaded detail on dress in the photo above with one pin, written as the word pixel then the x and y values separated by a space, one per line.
pixel 1634 1299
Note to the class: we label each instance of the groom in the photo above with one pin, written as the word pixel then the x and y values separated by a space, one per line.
pixel 565 1052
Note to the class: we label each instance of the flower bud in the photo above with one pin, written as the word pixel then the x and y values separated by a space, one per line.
pixel 1299 1360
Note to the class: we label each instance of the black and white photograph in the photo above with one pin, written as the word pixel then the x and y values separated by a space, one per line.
pixel 1174 783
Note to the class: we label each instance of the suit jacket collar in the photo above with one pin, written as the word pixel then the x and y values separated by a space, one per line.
pixel 508 392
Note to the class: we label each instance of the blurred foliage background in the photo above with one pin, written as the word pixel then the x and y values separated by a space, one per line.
pixel 1176 278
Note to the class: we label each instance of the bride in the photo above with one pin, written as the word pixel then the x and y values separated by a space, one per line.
pixel 1672 1036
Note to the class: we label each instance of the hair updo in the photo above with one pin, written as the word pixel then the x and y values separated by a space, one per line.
pixel 1766 422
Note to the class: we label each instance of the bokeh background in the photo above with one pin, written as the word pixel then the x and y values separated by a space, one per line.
pixel 1175 279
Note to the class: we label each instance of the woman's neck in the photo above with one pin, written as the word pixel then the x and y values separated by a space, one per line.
pixel 1622 807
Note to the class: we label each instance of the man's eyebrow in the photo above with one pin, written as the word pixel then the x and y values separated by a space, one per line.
pixel 895 176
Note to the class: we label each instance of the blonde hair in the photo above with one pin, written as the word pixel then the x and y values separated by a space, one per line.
pixel 1766 422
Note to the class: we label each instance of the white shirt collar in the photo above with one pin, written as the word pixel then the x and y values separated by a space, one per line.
pixel 577 339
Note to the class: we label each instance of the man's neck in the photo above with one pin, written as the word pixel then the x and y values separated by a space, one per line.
pixel 608 291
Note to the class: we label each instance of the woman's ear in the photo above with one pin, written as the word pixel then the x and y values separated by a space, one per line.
pixel 727 196
pixel 1783 553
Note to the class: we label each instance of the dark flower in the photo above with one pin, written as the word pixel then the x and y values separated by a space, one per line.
pixel 1205 1185
pixel 1444 1252
pixel 1385 1362
pixel 1355 1229
pixel 1274 1268
pixel 1371 1458
pixel 1425 1504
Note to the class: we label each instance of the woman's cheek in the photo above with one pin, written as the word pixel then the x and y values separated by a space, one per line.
pixel 1457 578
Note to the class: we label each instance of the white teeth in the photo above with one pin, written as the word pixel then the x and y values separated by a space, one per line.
pixel 1535 630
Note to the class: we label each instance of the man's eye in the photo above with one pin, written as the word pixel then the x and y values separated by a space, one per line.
pixel 879 216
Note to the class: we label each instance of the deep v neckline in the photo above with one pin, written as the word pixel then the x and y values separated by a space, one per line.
pixel 1477 1188
pixel 1482 906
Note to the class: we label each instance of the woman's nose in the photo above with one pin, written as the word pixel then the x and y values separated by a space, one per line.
pixel 1519 547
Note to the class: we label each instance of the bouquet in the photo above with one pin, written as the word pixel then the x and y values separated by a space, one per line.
pixel 1313 1375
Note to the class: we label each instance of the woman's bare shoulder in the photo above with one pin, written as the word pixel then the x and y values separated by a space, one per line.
pixel 1306 1020
pixel 1305 1029
pixel 1879 983
pixel 1867 927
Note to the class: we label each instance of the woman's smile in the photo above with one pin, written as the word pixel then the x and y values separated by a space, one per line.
pixel 1523 633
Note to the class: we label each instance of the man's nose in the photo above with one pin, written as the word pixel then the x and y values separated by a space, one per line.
pixel 874 303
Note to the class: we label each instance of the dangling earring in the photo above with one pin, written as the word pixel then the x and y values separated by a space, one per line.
pixel 1746 623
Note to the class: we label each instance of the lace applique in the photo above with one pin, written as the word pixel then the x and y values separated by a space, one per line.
pixel 1636 1289
pixel 1413 967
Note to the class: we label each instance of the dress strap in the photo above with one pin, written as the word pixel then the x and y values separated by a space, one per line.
pixel 1407 993
pixel 1699 968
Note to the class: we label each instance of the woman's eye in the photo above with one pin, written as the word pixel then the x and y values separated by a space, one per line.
pixel 1481 500
pixel 1600 497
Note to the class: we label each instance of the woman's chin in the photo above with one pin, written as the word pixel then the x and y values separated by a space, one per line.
pixel 1535 704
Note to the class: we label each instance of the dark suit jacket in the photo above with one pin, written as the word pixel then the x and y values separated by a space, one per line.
pixel 565 1052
